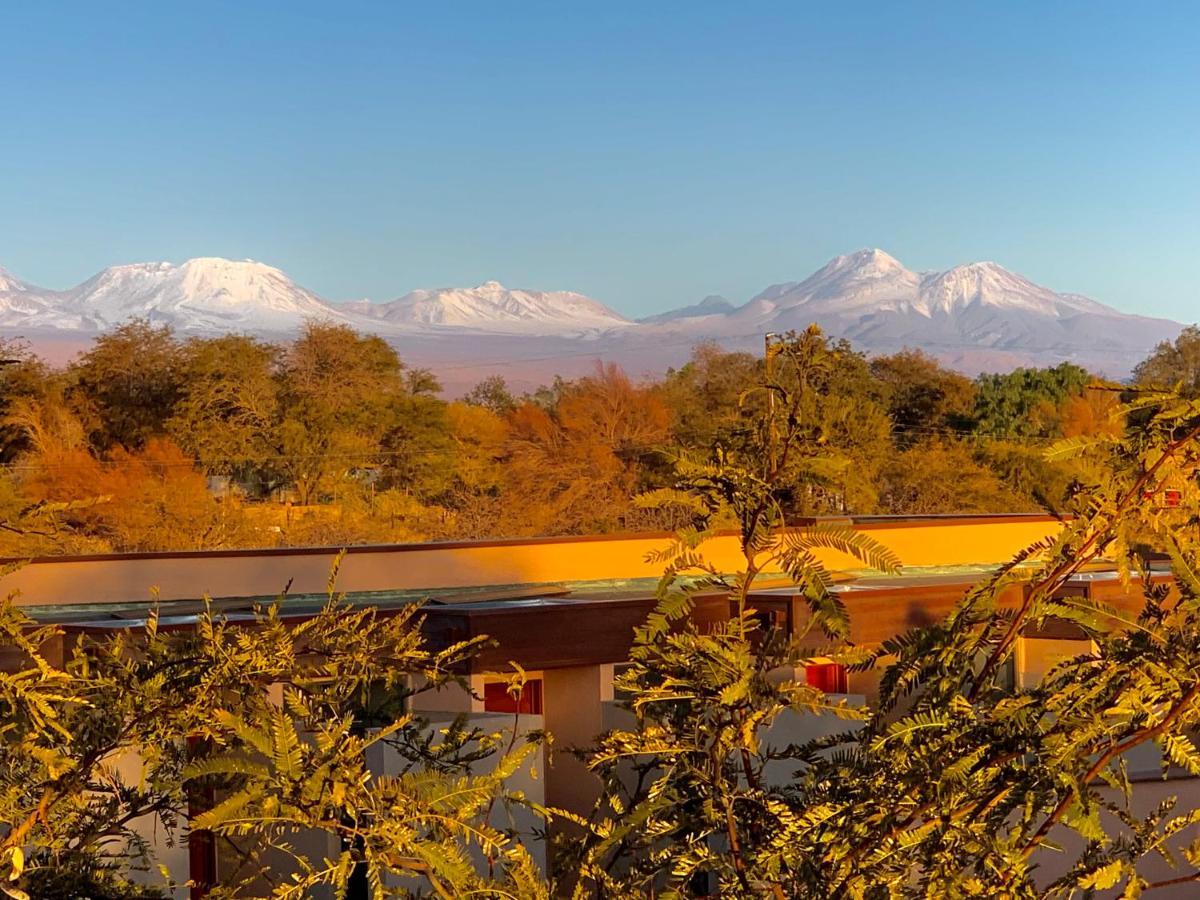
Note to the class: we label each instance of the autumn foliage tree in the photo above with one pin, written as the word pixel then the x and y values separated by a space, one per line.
pixel 367 449
pixel 577 463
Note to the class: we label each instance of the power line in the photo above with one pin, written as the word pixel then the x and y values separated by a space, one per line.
pixel 379 456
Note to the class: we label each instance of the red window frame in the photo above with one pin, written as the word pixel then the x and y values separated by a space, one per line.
pixel 497 699
pixel 202 849
pixel 829 678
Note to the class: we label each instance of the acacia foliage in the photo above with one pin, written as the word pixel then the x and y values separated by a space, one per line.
pixel 687 802
pixel 956 782
pixel 276 719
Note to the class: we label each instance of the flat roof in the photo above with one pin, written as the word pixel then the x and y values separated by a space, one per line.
pixel 492 598
pixel 545 626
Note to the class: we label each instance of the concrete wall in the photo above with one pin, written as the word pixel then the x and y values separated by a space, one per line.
pixel 932 541
pixel 530 780
pixel 171 851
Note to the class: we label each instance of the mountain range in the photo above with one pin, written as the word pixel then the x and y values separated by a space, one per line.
pixel 975 316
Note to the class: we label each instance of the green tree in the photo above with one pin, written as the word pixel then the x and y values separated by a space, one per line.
pixel 1033 481
pixel 127 384
pixel 704 393
pixel 493 395
pixel 698 806
pixel 944 476
pixel 229 404
pixel 844 434
pixel 338 391
pixel 1024 402
pixel 1173 364
pixel 24 379
pixel 418 446
pixel 922 397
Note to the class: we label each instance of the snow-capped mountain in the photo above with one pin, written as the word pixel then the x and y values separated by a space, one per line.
pixel 21 302
pixel 206 294
pixel 967 315
pixel 871 281
pixel 212 295
pixel 977 317
pixel 495 308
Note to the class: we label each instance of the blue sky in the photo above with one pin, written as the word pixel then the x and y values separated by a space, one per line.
pixel 645 153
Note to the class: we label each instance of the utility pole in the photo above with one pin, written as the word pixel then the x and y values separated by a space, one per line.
pixel 769 351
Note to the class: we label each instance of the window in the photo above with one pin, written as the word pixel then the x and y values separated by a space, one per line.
pixel 829 678
pixel 497 699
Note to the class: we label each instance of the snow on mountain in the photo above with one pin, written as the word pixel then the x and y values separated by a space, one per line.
pixel 970 316
pixel 966 313
pixel 870 284
pixel 206 294
pixel 494 308
pixel 10 284
pixel 21 301
pixel 871 281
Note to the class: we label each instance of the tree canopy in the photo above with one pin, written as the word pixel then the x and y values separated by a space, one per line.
pixel 332 438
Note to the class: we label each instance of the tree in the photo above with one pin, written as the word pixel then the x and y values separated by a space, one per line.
pixel 1024 402
pixel 418 446
pixel 704 394
pixel 1029 478
pixel 475 494
pixel 958 779
pixel 275 718
pixel 229 404
pixel 576 466
pixel 337 394
pixel 846 433
pixel 493 395
pixel 922 397
pixel 1097 411
pixel 698 811
pixel 24 381
pixel 1173 364
pixel 126 386
pixel 944 476
pixel 153 499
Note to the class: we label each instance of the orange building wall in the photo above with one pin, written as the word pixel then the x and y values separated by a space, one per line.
pixel 918 542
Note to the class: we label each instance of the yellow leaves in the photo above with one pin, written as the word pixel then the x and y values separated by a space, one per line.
pixel 1106 876
pixel 16 861
pixel 286 750
pixel 16 865
pixel 516 682
pixel 910 729
pixel 1084 818
pixel 1180 750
